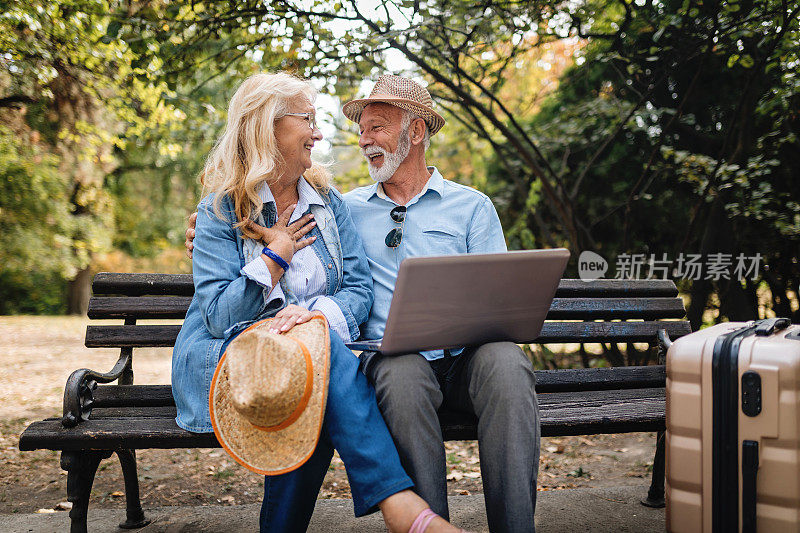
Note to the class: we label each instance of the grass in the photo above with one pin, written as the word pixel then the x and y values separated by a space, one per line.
pixel 579 472
pixel 224 473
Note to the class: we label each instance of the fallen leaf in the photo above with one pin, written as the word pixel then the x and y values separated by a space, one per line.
pixel 586 441
pixel 472 475
pixel 228 500
pixel 63 506
pixel 45 511
pixel 455 476
pixel 117 494
pixel 464 492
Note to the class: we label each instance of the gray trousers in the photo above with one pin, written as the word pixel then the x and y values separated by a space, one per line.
pixel 496 383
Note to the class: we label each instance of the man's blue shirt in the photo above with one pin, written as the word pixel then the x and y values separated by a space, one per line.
pixel 446 218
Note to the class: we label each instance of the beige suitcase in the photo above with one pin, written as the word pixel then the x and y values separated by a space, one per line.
pixel 733 429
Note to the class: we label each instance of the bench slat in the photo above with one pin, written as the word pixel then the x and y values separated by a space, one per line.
pixel 137 336
pixel 561 308
pixel 647 331
pixel 133 396
pixel 138 284
pixel 168 411
pixel 580 413
pixel 615 308
pixel 616 288
pixel 547 381
pixel 181 285
pixel 552 332
pixel 113 433
pixel 572 413
pixel 139 307
pixel 587 379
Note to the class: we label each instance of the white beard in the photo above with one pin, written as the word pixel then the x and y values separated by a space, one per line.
pixel 391 160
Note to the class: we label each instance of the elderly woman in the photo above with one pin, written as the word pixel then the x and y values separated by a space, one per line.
pixel 275 240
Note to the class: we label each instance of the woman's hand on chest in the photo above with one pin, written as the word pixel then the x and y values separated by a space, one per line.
pixel 283 238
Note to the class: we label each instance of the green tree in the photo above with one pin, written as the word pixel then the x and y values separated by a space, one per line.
pixel 88 98
pixel 34 224
pixel 682 111
pixel 678 111
pixel 707 97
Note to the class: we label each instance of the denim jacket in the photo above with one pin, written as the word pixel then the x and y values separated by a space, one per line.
pixel 226 301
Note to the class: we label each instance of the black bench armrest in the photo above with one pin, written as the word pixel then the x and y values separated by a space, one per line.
pixel 664 342
pixel 81 384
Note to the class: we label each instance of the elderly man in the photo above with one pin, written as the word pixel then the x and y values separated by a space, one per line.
pixel 412 210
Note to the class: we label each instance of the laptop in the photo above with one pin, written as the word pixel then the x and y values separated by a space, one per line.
pixel 461 300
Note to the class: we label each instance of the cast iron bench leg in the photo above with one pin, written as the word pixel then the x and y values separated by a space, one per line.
pixel 81 467
pixel 655 496
pixel 134 513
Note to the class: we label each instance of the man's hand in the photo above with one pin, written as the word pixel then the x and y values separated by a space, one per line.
pixel 288 317
pixel 189 243
pixel 285 239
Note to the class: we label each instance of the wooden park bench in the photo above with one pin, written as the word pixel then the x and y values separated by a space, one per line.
pixel 101 420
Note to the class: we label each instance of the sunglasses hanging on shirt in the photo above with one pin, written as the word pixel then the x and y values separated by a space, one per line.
pixel 395 236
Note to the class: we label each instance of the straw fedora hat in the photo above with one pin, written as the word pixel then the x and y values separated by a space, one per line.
pixel 402 92
pixel 268 395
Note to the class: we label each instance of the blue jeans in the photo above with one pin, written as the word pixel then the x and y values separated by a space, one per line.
pixel 353 425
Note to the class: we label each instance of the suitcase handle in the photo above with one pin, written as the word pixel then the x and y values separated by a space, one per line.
pixel 768 326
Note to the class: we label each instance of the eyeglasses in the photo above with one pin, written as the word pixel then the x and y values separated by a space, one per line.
pixel 310 118
pixel 395 236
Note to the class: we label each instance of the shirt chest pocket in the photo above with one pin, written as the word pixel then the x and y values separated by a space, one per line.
pixel 443 241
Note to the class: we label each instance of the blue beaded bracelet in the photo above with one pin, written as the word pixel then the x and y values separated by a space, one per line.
pixel 275 257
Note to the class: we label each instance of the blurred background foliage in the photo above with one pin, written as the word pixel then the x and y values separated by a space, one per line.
pixel 617 126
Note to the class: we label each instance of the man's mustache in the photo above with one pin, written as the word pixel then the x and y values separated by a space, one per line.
pixel 374 150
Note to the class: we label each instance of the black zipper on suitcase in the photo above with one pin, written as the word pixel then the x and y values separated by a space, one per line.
pixel 725 431
pixel 749 477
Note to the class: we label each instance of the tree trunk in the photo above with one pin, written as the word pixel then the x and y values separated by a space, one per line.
pixel 701 290
pixel 79 292
pixel 737 303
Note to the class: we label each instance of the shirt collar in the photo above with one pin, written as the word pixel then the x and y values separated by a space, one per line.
pixel 435 183
pixel 306 193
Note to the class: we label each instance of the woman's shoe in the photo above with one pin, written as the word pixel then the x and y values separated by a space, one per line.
pixel 422 520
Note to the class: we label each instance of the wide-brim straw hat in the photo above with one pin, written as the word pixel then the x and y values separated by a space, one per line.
pixel 268 395
pixel 401 92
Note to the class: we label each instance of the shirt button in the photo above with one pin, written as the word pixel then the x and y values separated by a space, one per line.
pixel 330 266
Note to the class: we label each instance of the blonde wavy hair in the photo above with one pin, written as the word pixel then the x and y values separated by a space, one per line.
pixel 247 153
